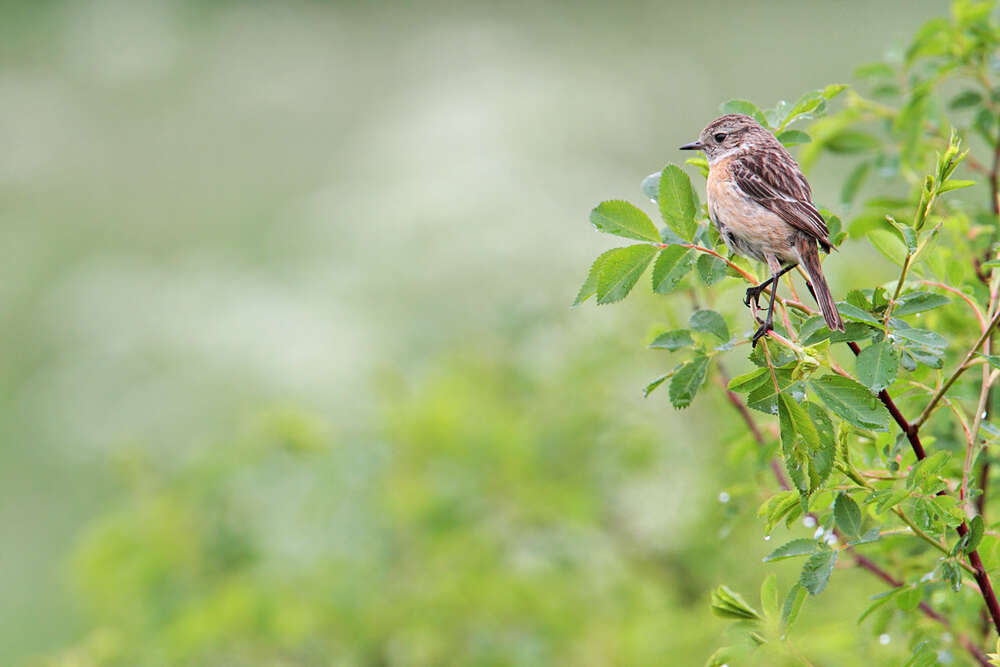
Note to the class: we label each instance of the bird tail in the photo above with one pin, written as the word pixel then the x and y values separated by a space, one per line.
pixel 809 258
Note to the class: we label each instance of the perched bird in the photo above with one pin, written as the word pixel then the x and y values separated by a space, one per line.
pixel 762 206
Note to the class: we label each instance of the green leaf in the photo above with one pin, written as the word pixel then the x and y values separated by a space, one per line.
pixel 711 269
pixel 964 100
pixel 854 182
pixel 649 388
pixel 589 287
pixel 651 186
pixel 918 302
pixel 793 604
pixel 744 107
pixel 919 337
pixel 749 381
pixel 799 547
pixel 852 312
pixel 793 137
pixel 877 366
pixel 851 141
pixel 623 219
pixel 851 402
pixel 874 71
pixel 955 185
pixel 620 270
pixel 730 604
pixel 817 570
pixel 687 381
pixel 769 596
pixel 847 514
pixel 909 598
pixel 799 440
pixel 671 266
pixel 672 340
pixel 923 654
pixel 709 321
pixel 888 244
pixel 976 530
pixel 926 468
pixel 992 359
pixel 677 202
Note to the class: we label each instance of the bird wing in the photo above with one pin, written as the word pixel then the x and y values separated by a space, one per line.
pixel 778 185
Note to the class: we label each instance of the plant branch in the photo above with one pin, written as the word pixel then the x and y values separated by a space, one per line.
pixel 962 367
pixel 913 436
pixel 861 561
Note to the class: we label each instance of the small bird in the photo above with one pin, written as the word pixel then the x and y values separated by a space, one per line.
pixel 762 206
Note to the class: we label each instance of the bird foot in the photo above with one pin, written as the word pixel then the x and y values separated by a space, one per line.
pixel 761 332
pixel 753 293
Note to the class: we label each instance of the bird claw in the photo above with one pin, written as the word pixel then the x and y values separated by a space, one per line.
pixel 761 332
pixel 753 293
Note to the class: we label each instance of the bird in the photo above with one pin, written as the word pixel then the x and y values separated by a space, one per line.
pixel 762 206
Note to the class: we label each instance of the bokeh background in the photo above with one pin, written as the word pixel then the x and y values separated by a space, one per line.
pixel 290 374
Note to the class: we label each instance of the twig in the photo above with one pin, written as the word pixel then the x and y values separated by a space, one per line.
pixel 913 436
pixel 861 561
pixel 918 422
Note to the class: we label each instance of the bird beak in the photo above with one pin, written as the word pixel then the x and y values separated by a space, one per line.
pixel 693 146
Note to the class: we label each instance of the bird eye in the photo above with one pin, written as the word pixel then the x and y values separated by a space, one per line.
pixel 719 138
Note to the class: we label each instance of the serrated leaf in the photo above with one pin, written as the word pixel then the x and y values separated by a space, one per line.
pixel 711 322
pixel 649 388
pixel 672 340
pixel 918 302
pixel 852 312
pixel 976 530
pixel 624 219
pixel 798 547
pixel 847 514
pixel 748 381
pixel 924 338
pixel 651 186
pixel 620 270
pixel 877 366
pixel 852 402
pixel 793 138
pixel 817 570
pixel 677 202
pixel 926 468
pixel 777 507
pixel 730 604
pixel 711 269
pixel 888 244
pixel 799 440
pixel 673 263
pixel 792 605
pixel 589 286
pixel 688 380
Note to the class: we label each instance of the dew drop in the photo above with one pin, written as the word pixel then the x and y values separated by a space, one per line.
pixel 723 497
pixel 767 538
pixel 884 639
pixel 809 521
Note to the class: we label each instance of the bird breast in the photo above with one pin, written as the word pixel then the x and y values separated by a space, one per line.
pixel 748 228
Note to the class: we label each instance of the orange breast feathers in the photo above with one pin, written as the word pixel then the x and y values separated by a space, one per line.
pixel 758 230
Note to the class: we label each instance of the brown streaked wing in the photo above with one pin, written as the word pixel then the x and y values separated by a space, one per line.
pixel 778 185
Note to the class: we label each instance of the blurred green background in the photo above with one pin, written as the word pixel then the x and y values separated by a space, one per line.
pixel 290 375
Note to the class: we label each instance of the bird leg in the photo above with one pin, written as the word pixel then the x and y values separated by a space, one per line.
pixel 755 291
pixel 769 320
